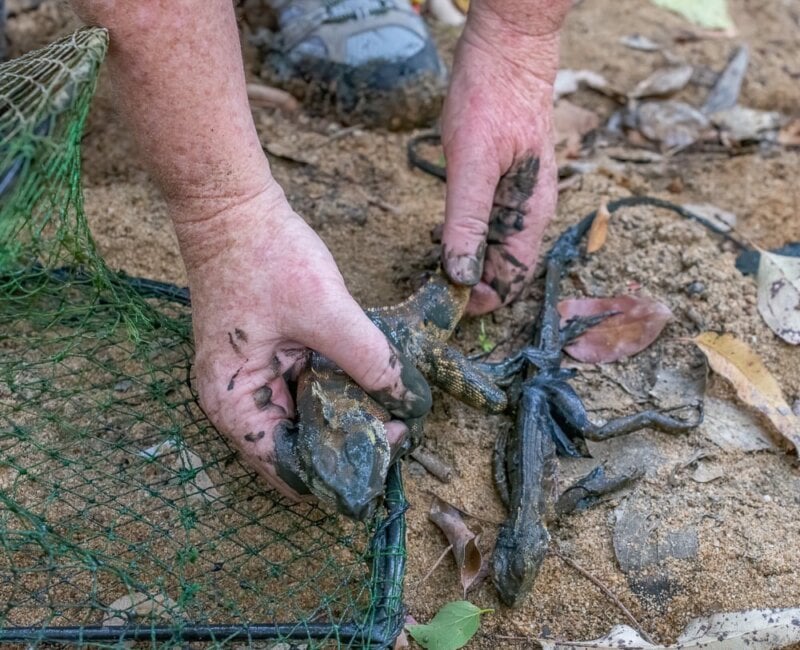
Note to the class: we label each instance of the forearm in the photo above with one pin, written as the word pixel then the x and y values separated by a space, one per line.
pixel 179 80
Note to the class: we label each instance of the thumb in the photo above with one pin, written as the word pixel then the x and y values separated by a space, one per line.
pixel 472 177
pixel 355 344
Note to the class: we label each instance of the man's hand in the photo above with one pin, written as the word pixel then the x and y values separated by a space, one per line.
pixel 264 289
pixel 497 125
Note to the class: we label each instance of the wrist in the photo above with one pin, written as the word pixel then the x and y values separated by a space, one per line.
pixel 213 226
pixel 525 34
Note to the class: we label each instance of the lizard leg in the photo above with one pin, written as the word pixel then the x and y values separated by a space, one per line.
pixel 502 372
pixel 645 419
pixel 569 418
pixel 585 492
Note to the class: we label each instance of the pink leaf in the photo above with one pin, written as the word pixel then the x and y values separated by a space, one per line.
pixel 638 324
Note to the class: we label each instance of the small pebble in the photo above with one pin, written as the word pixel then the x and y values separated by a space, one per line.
pixel 123 385
pixel 695 317
pixel 675 185
pixel 696 288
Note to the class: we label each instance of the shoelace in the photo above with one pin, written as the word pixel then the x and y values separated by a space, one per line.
pixel 331 11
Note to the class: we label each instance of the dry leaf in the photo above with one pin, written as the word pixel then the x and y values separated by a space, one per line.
pixel 705 473
pixel 789 135
pixel 754 384
pixel 779 295
pixel 268 97
pixel 138 605
pixel 641 539
pixel 675 125
pixel 200 486
pixel 598 233
pixel 640 42
pixel 468 556
pixel 571 123
pixel 568 81
pixel 637 325
pixel 663 82
pixel 731 427
pixel 755 629
pixel 740 124
pixel 725 92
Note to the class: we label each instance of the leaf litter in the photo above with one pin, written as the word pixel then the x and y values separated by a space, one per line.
pixel 755 386
pixel 725 92
pixel 632 325
pixel 755 629
pixel 665 81
pixel 598 233
pixel 472 565
pixel 779 295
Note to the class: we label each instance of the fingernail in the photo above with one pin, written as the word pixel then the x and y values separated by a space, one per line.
pixel 463 269
pixel 416 400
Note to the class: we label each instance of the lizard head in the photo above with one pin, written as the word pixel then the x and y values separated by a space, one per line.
pixel 517 559
pixel 342 451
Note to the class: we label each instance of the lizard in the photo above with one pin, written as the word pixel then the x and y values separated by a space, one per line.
pixel 339 450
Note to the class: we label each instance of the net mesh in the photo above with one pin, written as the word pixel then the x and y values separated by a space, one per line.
pixel 123 513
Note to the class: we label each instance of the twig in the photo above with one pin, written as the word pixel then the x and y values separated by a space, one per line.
pixel 433 568
pixel 373 200
pixel 263 96
pixel 608 593
pixel 433 463
pixel 340 133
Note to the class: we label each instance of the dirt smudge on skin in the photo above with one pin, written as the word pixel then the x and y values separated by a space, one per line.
pixel 262 397
pixel 234 345
pixel 254 437
pixel 232 382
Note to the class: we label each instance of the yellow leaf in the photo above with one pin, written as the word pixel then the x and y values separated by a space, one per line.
pixel 463 5
pixel 711 14
pixel 598 233
pixel 755 386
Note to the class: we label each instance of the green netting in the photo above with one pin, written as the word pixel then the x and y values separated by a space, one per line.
pixel 123 513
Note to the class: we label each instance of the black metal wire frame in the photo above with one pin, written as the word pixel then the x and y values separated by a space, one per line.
pixel 383 622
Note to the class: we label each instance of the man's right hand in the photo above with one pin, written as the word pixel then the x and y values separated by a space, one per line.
pixel 264 290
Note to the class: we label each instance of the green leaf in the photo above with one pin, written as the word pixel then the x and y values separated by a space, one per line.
pixel 452 627
pixel 711 14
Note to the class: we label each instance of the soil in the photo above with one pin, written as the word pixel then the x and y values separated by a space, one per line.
pixel 376 214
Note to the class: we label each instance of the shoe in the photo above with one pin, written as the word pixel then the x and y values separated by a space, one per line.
pixel 367 62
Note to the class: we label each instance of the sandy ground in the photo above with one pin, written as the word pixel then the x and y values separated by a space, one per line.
pixel 376 215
